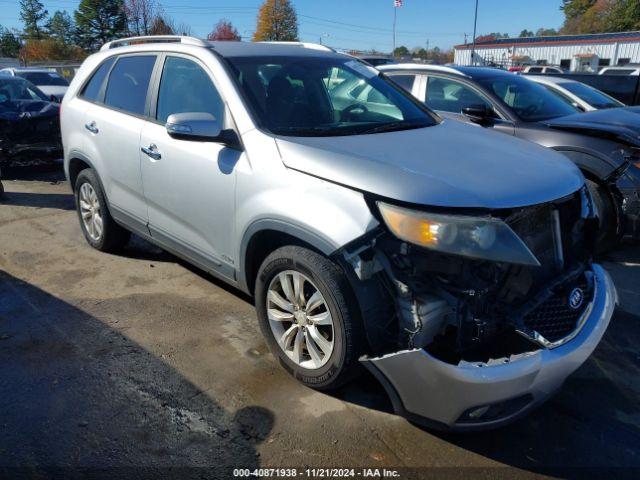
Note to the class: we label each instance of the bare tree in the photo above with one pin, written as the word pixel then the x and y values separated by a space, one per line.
pixel 140 15
pixel 184 29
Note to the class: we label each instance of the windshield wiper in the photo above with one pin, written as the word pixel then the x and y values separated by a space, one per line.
pixel 394 127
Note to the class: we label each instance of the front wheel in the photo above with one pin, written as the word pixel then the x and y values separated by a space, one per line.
pixel 308 315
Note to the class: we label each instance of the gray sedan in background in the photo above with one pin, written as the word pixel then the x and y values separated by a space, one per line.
pixel 605 144
pixel 579 95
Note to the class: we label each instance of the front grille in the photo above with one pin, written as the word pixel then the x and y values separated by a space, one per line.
pixel 554 318
pixel 549 230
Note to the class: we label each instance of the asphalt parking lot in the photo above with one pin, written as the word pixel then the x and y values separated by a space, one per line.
pixel 140 360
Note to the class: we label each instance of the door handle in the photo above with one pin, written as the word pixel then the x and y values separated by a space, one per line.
pixel 151 151
pixel 91 127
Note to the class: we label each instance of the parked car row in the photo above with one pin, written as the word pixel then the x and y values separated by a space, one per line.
pixel 29 122
pixel 604 144
pixel 451 260
pixel 49 82
pixel 581 96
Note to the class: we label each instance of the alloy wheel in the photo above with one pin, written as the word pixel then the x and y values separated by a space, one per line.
pixel 90 211
pixel 300 319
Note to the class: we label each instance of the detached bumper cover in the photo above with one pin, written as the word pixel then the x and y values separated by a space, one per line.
pixel 439 394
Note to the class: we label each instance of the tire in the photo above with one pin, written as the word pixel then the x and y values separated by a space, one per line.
pixel 112 237
pixel 347 333
pixel 607 228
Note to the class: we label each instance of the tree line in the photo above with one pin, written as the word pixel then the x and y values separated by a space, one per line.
pixel 433 55
pixel 61 36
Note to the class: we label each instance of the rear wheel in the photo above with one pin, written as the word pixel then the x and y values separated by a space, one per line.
pixel 608 219
pixel 98 227
pixel 309 317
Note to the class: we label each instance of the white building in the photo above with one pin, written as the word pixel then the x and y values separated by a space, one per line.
pixel 574 52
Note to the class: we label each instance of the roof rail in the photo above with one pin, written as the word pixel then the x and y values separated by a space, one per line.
pixel 123 42
pixel 421 66
pixel 312 46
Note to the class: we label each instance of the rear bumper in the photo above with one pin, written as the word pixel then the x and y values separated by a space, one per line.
pixel 442 395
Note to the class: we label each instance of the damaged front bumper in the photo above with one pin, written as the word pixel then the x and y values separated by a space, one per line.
pixel 470 396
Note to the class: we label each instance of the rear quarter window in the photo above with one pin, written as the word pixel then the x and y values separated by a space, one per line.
pixel 128 83
pixel 91 90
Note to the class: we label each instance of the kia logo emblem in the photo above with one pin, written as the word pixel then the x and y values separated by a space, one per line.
pixel 576 297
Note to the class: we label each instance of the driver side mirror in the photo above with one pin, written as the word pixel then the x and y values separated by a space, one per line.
pixel 200 126
pixel 193 126
pixel 479 113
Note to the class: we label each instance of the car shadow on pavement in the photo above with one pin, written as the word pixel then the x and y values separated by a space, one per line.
pixel 592 423
pixel 34 170
pixel 60 201
pixel 76 393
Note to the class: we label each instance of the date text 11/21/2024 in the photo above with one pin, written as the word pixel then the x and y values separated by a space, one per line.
pixel 316 473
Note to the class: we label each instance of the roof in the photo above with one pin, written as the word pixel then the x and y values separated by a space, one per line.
pixel 28 69
pixel 556 80
pixel 364 55
pixel 420 66
pixel 228 49
pixel 11 78
pixel 275 49
pixel 471 72
pixel 557 39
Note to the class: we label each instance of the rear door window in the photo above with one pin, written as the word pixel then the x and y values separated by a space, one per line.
pixel 129 82
pixel 406 81
pixel 448 95
pixel 92 88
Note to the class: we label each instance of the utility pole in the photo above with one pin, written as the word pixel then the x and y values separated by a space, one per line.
pixel 473 46
pixel 393 52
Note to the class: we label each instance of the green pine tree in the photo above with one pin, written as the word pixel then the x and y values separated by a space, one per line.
pixel 9 43
pixel 33 14
pixel 60 27
pixel 99 21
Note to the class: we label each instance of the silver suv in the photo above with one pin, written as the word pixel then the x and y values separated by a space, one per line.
pixel 452 262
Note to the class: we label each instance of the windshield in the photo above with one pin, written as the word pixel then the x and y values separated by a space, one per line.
pixel 593 97
pixel 15 90
pixel 324 96
pixel 530 101
pixel 44 78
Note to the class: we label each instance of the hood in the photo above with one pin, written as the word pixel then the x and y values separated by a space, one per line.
pixel 622 124
pixel 450 165
pixel 57 90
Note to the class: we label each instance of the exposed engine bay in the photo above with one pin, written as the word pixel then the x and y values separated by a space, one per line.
pixel 462 309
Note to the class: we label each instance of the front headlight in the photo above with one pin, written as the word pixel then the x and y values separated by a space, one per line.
pixel 477 237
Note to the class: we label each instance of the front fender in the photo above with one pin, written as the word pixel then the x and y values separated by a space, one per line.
pixel 597 165
pixel 319 213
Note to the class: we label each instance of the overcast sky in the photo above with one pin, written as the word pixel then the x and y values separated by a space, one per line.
pixel 358 24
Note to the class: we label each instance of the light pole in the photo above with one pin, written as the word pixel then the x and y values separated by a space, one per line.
pixel 473 45
pixel 325 35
